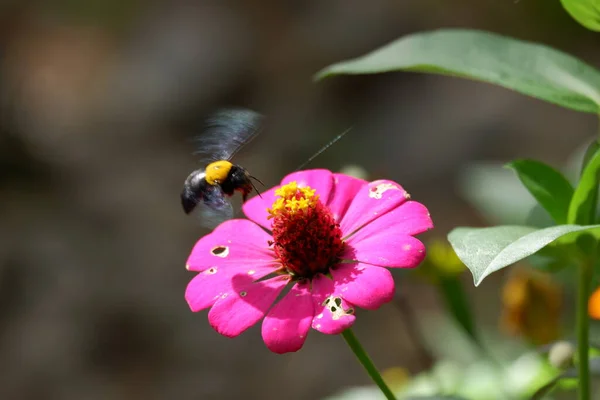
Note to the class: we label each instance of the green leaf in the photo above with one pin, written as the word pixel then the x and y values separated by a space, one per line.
pixel 586 12
pixel 548 186
pixel 486 250
pixel 532 69
pixel 434 397
pixel 568 374
pixel 548 387
pixel 582 209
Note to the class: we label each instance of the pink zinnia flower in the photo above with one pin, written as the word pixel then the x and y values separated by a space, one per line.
pixel 329 238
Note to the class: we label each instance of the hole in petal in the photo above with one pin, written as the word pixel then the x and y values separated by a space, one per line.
pixel 337 311
pixel 243 294
pixel 220 251
pixel 376 192
pixel 210 271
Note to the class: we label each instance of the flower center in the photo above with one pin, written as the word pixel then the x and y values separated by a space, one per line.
pixel 306 238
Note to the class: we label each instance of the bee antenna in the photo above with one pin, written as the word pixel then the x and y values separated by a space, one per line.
pixel 254 187
pixel 257 180
pixel 335 139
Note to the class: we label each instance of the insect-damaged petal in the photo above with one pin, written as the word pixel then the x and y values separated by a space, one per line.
pixel 286 325
pixel 245 305
pixel 371 202
pixel 206 287
pixel 365 286
pixel 332 313
pixel 236 243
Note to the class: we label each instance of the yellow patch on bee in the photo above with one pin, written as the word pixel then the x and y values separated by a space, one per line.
pixel 217 172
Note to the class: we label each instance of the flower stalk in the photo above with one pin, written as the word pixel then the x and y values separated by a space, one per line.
pixel 366 362
pixel 585 278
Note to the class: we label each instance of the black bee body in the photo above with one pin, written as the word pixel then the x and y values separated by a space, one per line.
pixel 196 188
pixel 228 131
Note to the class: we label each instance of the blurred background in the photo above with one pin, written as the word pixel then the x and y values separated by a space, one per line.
pixel 99 101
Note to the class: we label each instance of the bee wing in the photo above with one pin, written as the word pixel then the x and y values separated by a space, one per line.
pixel 214 208
pixel 227 131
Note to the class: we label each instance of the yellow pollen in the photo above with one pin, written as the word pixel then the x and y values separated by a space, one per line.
pixel 293 199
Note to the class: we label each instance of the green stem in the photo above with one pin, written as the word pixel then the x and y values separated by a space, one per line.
pixel 585 278
pixel 366 362
pixel 456 300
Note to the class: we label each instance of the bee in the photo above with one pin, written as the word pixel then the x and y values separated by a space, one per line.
pixel 227 131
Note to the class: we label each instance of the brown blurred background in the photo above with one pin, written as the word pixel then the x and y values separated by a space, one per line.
pixel 99 101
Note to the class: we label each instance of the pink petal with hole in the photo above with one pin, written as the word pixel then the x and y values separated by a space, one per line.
pixel 345 189
pixel 385 248
pixel 332 313
pixel 371 202
pixel 365 286
pixel 206 287
pixel 238 310
pixel 319 179
pixel 286 325
pixel 237 243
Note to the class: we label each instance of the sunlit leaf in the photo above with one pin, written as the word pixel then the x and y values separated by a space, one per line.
pixel 438 397
pixel 532 69
pixel 486 250
pixel 567 374
pixel 586 12
pixel 547 388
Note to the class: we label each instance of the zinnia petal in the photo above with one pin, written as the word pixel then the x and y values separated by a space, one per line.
pixel 384 250
pixel 387 242
pixel 410 218
pixel 237 243
pixel 332 313
pixel 319 179
pixel 345 189
pixel 286 325
pixel 206 287
pixel 256 208
pixel 238 310
pixel 365 286
pixel 371 202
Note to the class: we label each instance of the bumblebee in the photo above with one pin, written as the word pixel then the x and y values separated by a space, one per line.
pixel 227 131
